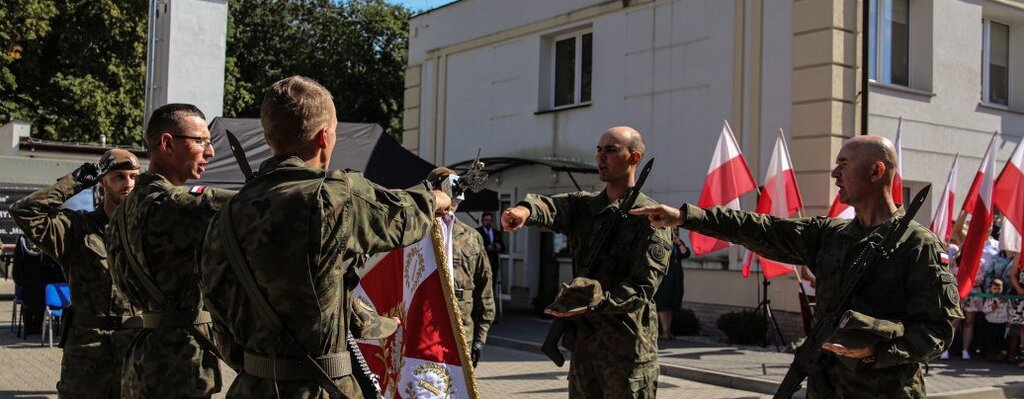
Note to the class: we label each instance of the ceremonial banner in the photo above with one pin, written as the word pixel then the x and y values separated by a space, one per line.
pixel 780 197
pixel 942 223
pixel 979 204
pixel 1009 199
pixel 728 178
pixel 427 357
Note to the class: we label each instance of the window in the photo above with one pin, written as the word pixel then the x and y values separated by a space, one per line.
pixel 996 63
pixel 572 55
pixel 889 42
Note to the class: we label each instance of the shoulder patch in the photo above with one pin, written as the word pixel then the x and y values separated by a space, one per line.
pixel 197 190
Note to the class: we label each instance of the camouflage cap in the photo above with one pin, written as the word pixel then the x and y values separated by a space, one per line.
pixel 117 159
pixel 580 293
pixel 367 324
pixel 857 330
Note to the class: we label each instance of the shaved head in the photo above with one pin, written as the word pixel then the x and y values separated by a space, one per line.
pixel 634 141
pixel 868 149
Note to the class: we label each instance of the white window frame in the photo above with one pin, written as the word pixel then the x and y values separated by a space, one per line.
pixel 876 69
pixel 986 37
pixel 577 73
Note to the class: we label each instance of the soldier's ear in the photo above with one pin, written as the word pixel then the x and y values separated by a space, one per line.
pixel 634 157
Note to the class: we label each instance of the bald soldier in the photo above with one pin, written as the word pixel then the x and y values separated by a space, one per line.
pixel 100 323
pixel 614 338
pixel 911 289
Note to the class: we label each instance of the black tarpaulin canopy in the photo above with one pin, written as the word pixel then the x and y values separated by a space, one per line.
pixel 360 146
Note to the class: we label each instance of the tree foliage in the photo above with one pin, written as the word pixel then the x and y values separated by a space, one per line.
pixel 357 49
pixel 80 71
pixel 76 68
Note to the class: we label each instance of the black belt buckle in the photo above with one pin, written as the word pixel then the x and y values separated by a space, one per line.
pixel 459 293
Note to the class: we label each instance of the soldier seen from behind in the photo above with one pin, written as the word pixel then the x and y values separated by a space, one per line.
pixel 100 323
pixel 612 328
pixel 152 241
pixel 276 260
pixel 905 306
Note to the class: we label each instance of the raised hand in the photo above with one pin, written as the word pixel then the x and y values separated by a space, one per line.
pixel 660 215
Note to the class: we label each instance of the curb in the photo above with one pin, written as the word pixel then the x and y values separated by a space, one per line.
pixel 759 385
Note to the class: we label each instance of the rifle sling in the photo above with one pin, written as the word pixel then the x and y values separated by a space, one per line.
pixel 248 281
pixel 172 316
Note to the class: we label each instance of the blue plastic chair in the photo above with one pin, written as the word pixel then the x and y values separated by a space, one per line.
pixel 18 301
pixel 58 297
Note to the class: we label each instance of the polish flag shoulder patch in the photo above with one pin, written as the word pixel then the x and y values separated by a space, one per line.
pixel 197 190
pixel 944 259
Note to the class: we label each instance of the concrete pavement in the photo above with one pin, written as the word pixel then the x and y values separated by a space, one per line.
pixel 758 369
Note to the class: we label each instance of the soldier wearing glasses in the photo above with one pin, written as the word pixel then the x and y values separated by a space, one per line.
pixel 153 240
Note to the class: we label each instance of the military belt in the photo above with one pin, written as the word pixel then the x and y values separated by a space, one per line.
pixel 460 294
pixel 157 320
pixel 336 365
pixel 82 320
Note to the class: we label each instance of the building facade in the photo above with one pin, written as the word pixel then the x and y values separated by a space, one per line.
pixel 537 78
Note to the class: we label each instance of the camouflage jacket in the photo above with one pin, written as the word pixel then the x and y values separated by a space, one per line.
pixel 75 240
pixel 473 287
pixel 624 326
pixel 164 226
pixel 911 287
pixel 298 229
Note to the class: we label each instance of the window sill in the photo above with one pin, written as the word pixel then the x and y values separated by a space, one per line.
pixel 901 89
pixel 563 108
pixel 999 108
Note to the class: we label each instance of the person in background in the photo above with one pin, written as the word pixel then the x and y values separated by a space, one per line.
pixel 1017 306
pixel 669 297
pixel 997 313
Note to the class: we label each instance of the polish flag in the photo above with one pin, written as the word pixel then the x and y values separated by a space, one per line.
pixel 428 357
pixel 844 211
pixel 897 181
pixel 728 178
pixel 779 197
pixel 942 222
pixel 1009 199
pixel 979 204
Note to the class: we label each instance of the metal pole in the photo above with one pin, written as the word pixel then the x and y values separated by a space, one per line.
pixel 864 75
pixel 150 61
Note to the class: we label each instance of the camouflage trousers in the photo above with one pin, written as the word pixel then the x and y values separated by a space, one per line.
pixel 91 366
pixel 599 378
pixel 169 363
pixel 247 386
pixel 898 382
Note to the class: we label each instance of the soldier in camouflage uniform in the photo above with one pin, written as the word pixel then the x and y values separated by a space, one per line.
pixel 100 323
pixel 297 225
pixel 153 238
pixel 473 288
pixel 911 287
pixel 614 344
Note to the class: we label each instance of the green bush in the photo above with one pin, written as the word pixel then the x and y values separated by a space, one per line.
pixel 685 322
pixel 746 327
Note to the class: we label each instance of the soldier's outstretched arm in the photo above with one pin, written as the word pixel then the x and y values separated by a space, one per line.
pixel 933 304
pixel 552 213
pixel 41 218
pixel 650 255
pixel 785 240
pixel 382 219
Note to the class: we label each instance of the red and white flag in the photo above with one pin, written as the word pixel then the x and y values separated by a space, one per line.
pixel 979 204
pixel 897 180
pixel 1009 199
pixel 844 211
pixel 942 222
pixel 728 178
pixel 780 197
pixel 427 357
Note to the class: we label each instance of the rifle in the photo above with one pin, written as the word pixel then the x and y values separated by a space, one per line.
pixel 550 346
pixel 809 361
